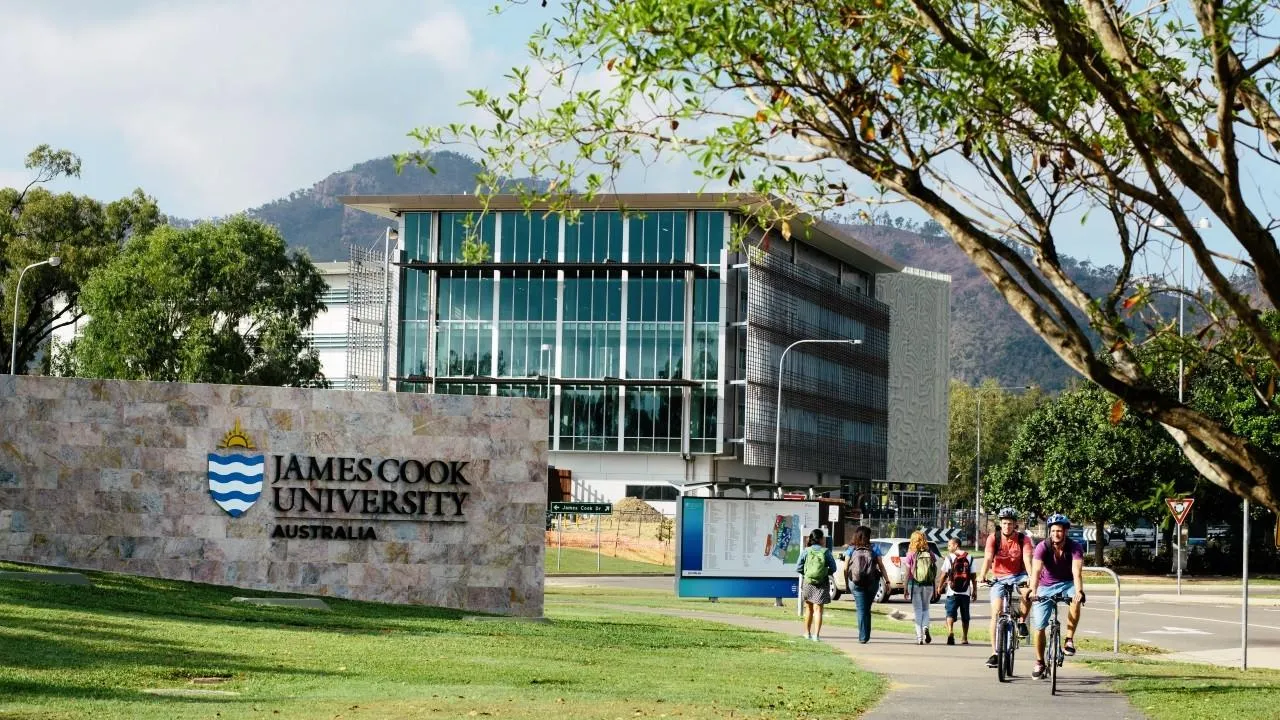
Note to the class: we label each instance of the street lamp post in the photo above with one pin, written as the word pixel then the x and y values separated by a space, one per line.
pixel 390 236
pixel 777 432
pixel 54 261
pixel 977 463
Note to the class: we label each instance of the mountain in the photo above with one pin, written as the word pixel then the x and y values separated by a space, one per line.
pixel 314 220
pixel 987 338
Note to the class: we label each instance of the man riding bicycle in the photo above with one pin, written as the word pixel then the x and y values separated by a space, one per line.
pixel 1057 568
pixel 1008 556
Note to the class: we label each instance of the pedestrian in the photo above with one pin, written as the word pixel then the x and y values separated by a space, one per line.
pixel 864 569
pixel 816 566
pixel 955 584
pixel 922 575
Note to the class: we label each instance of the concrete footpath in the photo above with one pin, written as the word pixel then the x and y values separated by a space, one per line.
pixel 944 682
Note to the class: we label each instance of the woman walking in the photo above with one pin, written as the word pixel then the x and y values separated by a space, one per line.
pixel 863 572
pixel 922 574
pixel 815 567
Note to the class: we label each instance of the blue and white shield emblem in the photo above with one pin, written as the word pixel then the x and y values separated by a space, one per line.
pixel 235 475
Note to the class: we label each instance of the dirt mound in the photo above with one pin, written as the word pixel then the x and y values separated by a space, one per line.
pixel 637 509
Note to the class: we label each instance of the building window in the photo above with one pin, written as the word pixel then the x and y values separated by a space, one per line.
pixel 657 237
pixel 702 420
pixel 588 418
pixel 708 236
pixel 529 237
pixel 653 419
pixel 595 238
pixel 659 493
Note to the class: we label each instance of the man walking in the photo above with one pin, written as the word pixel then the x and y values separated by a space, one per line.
pixel 955 584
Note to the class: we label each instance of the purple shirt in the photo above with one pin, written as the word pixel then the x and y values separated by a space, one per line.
pixel 1057 569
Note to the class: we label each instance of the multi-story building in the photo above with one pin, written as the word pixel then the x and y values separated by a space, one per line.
pixel 658 340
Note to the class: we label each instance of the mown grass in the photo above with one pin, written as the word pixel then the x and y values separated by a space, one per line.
pixel 583 562
pixel 78 652
pixel 1183 691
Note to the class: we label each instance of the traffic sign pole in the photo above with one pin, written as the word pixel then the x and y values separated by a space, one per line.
pixel 1180 508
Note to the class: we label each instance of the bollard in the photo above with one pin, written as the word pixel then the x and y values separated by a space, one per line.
pixel 1115 644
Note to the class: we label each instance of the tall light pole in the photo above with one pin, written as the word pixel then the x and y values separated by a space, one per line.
pixel 390 236
pixel 54 261
pixel 777 432
pixel 977 463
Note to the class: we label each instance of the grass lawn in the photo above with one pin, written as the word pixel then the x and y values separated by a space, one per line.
pixel 1177 691
pixel 839 613
pixel 583 562
pixel 73 652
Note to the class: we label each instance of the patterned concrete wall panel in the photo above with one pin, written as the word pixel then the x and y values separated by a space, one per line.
pixel 436 499
pixel 919 369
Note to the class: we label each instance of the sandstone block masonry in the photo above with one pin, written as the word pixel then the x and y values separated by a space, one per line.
pixel 401 498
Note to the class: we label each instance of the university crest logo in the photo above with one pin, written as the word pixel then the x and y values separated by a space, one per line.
pixel 235 475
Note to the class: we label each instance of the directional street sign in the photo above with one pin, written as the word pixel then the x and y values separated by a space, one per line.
pixel 582 508
pixel 1180 507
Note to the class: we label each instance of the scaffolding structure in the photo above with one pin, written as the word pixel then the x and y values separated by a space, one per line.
pixel 369 295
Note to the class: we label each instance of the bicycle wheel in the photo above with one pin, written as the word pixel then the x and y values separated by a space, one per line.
pixel 1053 650
pixel 1010 647
pixel 1000 650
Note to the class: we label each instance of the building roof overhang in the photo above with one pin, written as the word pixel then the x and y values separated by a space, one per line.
pixel 828 237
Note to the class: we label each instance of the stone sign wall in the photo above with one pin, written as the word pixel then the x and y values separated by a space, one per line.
pixel 402 498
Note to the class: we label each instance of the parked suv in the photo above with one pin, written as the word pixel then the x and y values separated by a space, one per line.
pixel 894 552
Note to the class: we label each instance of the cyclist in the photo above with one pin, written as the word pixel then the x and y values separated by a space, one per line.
pixel 1057 567
pixel 1008 556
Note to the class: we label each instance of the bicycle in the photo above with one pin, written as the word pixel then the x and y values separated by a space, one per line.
pixel 1053 655
pixel 1006 632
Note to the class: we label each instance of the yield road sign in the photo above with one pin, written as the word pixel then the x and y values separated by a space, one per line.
pixel 582 508
pixel 1180 507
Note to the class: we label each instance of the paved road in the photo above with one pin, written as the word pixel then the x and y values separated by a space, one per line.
pixel 1204 621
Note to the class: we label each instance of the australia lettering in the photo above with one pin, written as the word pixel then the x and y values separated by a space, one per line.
pixel 324 532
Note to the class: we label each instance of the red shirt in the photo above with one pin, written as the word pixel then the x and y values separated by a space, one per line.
pixel 1009 561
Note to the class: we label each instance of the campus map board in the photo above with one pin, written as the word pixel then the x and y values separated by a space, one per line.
pixel 741 548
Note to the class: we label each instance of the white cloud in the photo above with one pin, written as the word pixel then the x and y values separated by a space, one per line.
pixel 215 106
pixel 443 37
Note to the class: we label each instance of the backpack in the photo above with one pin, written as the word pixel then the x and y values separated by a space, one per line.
pixel 960 569
pixel 815 565
pixel 861 568
pixel 924 572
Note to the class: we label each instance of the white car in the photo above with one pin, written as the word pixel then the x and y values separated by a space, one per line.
pixel 894 553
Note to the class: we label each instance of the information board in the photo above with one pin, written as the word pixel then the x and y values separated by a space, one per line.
pixel 741 548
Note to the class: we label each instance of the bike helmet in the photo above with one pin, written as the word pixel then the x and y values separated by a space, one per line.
pixel 1008 514
pixel 1058 519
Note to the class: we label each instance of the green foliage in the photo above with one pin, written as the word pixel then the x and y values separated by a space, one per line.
pixel 1069 457
pixel 1003 411
pixel 219 302
pixel 1044 109
pixel 36 224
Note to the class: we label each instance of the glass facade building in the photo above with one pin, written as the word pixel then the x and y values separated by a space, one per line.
pixel 654 338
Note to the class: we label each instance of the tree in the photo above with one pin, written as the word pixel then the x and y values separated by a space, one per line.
pixel 218 303
pixel 36 224
pixel 1000 120
pixel 1073 456
pixel 1003 412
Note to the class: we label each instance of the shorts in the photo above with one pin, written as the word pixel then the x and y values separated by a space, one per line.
pixel 957 605
pixel 1015 581
pixel 1040 609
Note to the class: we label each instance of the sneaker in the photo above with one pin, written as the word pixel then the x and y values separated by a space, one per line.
pixel 1023 631
pixel 927 637
pixel 815 638
pixel 919 641
pixel 951 639
pixel 1069 647
pixel 993 661
pixel 1038 671
pixel 807 636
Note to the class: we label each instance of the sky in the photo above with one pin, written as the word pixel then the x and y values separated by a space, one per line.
pixel 217 106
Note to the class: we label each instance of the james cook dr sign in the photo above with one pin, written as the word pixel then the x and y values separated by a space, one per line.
pixel 315 497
